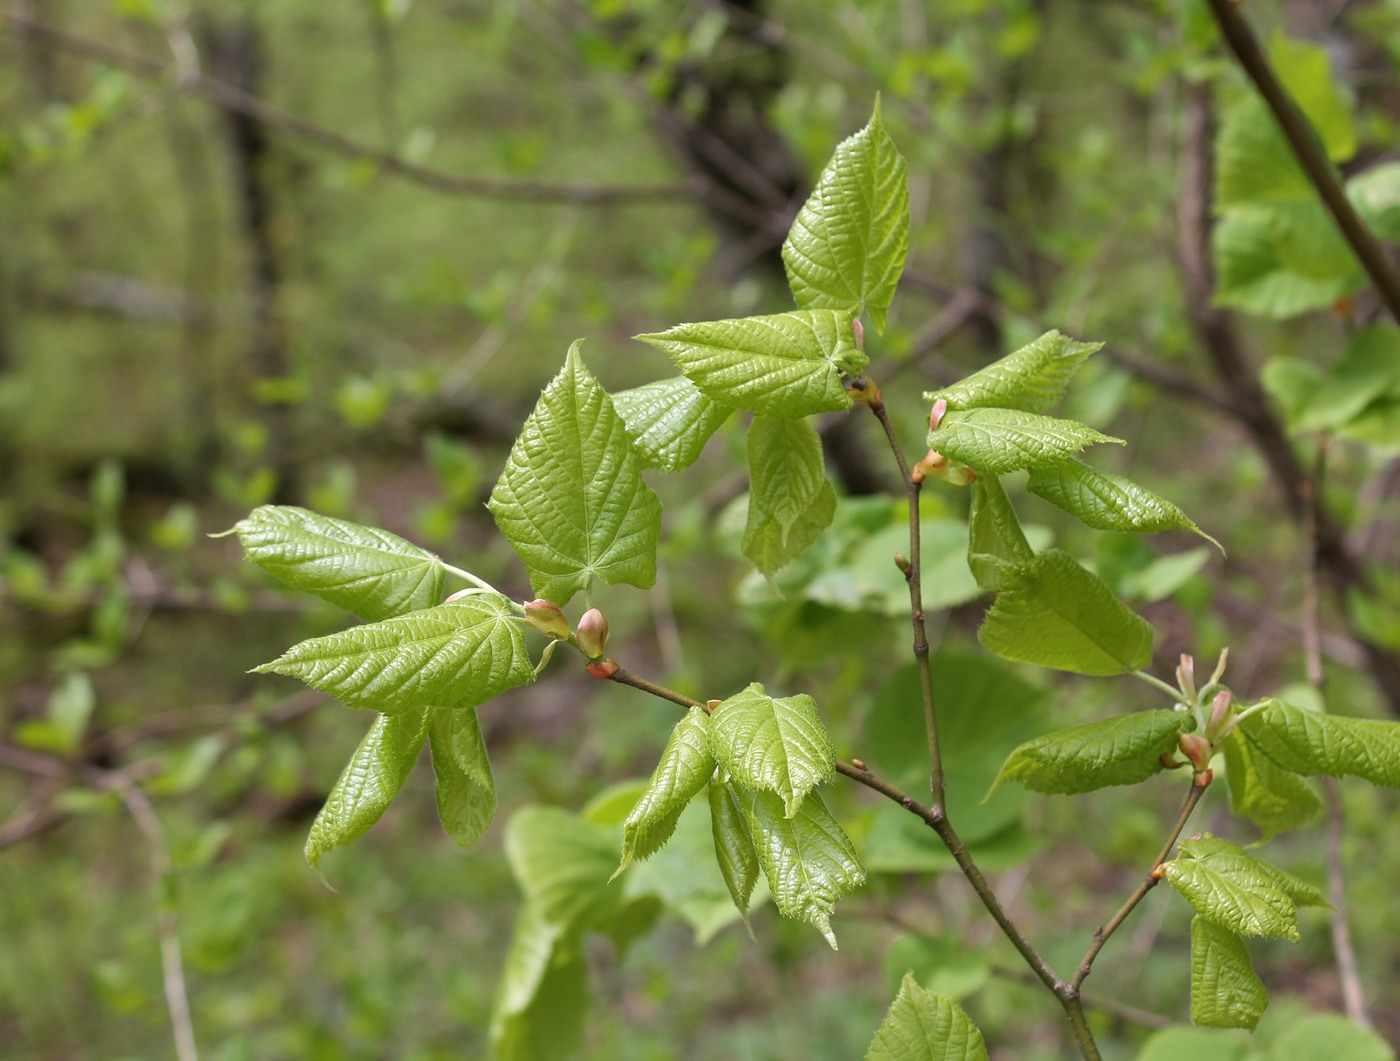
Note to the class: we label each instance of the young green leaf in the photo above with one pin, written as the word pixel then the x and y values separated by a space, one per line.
pixel 777 744
pixel 1056 614
pixel 788 364
pixel 1282 259
pixel 734 846
pixel 808 859
pixel 1309 742
pixel 790 500
pixel 686 766
pixel 1108 502
pixel 669 421
pixel 1271 797
pixel 571 500
pixel 996 545
pixel 1032 379
pixel 997 441
pixel 1253 162
pixel 455 655
pixel 1227 857
pixel 1225 990
pixel 1237 891
pixel 369 572
pixel 846 249
pixel 1120 751
pixel 369 782
pixel 563 863
pixel 922 1026
pixel 465 789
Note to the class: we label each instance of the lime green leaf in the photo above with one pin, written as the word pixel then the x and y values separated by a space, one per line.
pixel 788 364
pixel 1108 502
pixel 790 500
pixel 669 421
pixel 1369 369
pixel 1120 751
pixel 1199 1044
pixel 734 844
pixel 455 655
pixel 847 247
pixel 997 441
pixel 1282 260
pixel 571 500
pixel 1227 857
pixel 685 768
pixel 777 744
pixel 1237 891
pixel 1271 797
pixel 1032 379
pixel 1304 69
pixel 1225 990
pixel 808 859
pixel 996 545
pixel 369 572
pixel 1376 194
pixel 369 782
pixel 563 863
pixel 466 791
pixel 1056 614
pixel 542 997
pixel 922 1026
pixel 1309 742
pixel 1253 161
pixel 1328 1037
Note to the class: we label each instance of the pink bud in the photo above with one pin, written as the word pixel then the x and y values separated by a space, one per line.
pixel 548 618
pixel 935 417
pixel 1219 715
pixel 859 330
pixel 592 633
pixel 602 668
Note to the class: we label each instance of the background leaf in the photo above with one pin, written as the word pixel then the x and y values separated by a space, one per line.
pixel 1271 797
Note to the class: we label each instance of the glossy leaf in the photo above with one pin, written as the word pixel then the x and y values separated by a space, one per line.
pixel 465 789
pixel 776 744
pixel 998 441
pixel 1271 797
pixel 847 246
pixel 1056 614
pixel 1311 743
pixel 1108 502
pixel 370 781
pixel 1225 990
pixel 571 500
pixel 1226 856
pixel 1237 891
pixel 685 768
pixel 996 544
pixel 790 500
pixel 787 365
pixel 734 844
pixel 369 572
pixel 1119 751
pixel 669 421
pixel 808 859
pixel 923 1026
pixel 563 863
pixel 1032 379
pixel 455 655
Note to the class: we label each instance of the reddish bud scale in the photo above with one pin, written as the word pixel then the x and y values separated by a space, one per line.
pixel 602 668
pixel 1197 749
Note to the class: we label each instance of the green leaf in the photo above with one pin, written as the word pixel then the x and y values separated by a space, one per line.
pixel 1253 161
pixel 734 845
pixel 996 544
pixel 1369 369
pixel 943 964
pixel 571 500
pixel 455 655
pixel 1225 990
pixel 1282 260
pixel 787 365
pixel 790 500
pixel 1056 614
pixel 563 863
pixel 922 1026
pixel 669 421
pixel 1305 71
pixel 1309 742
pixel 1376 194
pixel 465 789
pixel 686 766
pixel 776 744
pixel 369 782
pixel 1199 1044
pixel 542 997
pixel 1237 891
pixel 846 249
pixel 1108 502
pixel 808 859
pixel 1032 379
pixel 369 572
pixel 997 441
pixel 1271 797
pixel 1328 1037
pixel 1120 751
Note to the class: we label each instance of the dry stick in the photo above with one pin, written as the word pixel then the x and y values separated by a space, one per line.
pixel 234 99
pixel 1343 947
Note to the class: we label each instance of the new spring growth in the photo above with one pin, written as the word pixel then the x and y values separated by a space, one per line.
pixel 902 562
pixel 592 635
pixel 1186 677
pixel 1222 717
pixel 548 618
pixel 1197 750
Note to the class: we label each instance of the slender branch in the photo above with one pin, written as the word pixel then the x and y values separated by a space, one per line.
pixel 626 677
pixel 1309 152
pixel 1199 785
pixel 230 98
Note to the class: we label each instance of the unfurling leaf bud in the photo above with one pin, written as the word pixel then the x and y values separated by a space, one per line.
pixel 902 562
pixel 1186 677
pixel 592 634
pixel 548 618
pixel 934 463
pixel 1197 749
pixel 935 416
pixel 859 330
pixel 1221 716
pixel 602 668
